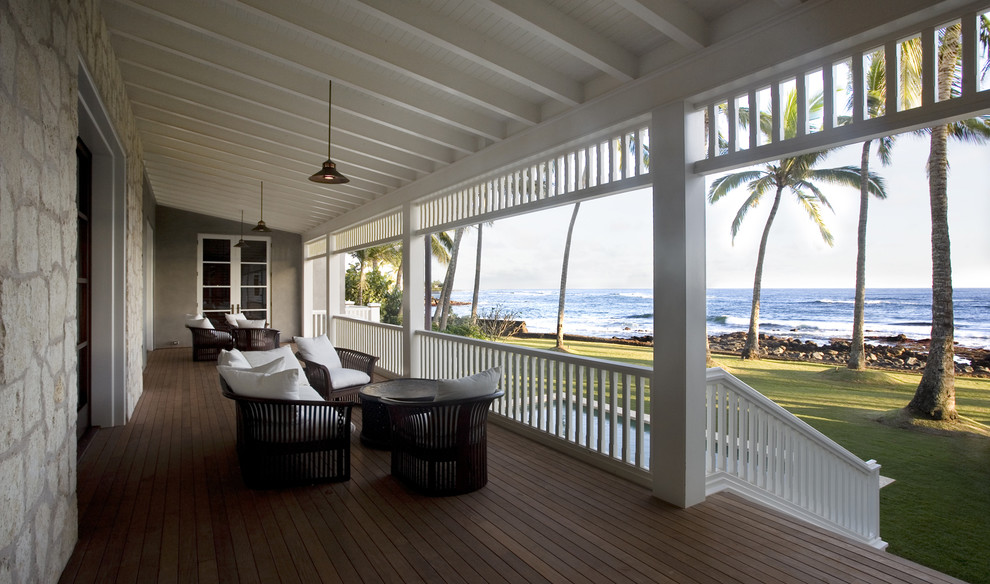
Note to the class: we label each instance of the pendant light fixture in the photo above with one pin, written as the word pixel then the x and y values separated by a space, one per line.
pixel 240 242
pixel 261 227
pixel 328 174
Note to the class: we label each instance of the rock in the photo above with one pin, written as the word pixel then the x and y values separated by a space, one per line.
pixel 818 355
pixel 911 361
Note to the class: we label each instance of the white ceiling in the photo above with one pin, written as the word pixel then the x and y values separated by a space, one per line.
pixel 230 93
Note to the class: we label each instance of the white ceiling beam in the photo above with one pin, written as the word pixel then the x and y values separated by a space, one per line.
pixel 289 53
pixel 407 147
pixel 441 140
pixel 671 17
pixel 312 24
pixel 448 35
pixel 306 132
pixel 567 34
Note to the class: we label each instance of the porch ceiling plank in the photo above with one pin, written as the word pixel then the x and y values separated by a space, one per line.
pixel 313 23
pixel 673 18
pixel 177 43
pixel 568 34
pixel 277 100
pixel 288 51
pixel 542 517
pixel 359 190
pixel 160 88
pixel 270 152
pixel 448 34
pixel 199 186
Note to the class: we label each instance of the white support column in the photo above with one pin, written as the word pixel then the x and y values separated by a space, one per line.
pixel 336 266
pixel 307 296
pixel 414 260
pixel 677 390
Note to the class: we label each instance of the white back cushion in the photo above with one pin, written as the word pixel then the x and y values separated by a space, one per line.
pixel 261 382
pixel 257 324
pixel 233 358
pixel 198 321
pixel 282 354
pixel 476 385
pixel 233 319
pixel 319 350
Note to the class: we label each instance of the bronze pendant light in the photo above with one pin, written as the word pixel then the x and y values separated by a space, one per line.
pixel 240 242
pixel 328 174
pixel 261 227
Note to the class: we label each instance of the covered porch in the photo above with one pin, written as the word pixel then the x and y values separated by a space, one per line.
pixel 161 500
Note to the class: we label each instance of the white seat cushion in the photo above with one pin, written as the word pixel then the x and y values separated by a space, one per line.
pixel 476 385
pixel 318 350
pixel 342 377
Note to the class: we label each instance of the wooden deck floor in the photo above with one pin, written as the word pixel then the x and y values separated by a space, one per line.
pixel 161 500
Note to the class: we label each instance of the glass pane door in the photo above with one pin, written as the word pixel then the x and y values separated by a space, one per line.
pixel 254 280
pixel 233 279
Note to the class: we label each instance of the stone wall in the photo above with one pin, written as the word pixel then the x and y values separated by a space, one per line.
pixel 41 45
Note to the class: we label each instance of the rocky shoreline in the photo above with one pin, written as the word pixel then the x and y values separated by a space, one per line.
pixel 898 353
pixel 894 353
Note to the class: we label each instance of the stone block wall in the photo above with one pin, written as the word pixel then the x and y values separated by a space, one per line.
pixel 41 45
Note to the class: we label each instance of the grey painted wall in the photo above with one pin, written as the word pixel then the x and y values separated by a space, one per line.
pixel 176 236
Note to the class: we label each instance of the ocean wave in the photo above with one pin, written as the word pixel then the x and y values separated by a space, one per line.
pixel 646 295
pixel 647 315
pixel 832 301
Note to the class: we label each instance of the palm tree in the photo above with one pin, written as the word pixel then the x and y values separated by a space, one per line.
pixel 443 305
pixel 563 279
pixel 477 276
pixel 797 175
pixel 876 89
pixel 935 396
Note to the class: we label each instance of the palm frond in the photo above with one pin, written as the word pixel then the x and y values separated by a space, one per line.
pixel 751 202
pixel 723 185
pixel 810 204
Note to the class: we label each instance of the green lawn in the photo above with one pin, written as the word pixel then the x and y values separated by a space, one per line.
pixel 937 512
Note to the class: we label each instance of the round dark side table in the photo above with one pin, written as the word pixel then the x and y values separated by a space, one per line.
pixel 376 429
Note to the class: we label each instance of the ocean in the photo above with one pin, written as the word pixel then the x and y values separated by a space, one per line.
pixel 808 314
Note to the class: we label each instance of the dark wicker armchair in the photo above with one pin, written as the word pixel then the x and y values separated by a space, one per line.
pixel 207 343
pixel 255 339
pixel 441 447
pixel 285 442
pixel 321 380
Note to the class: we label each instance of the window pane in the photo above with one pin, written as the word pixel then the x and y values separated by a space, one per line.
pixel 216 298
pixel 216 250
pixel 254 274
pixel 254 298
pixel 216 274
pixel 254 251
pixel 256 314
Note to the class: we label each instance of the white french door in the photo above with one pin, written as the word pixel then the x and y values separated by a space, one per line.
pixel 233 279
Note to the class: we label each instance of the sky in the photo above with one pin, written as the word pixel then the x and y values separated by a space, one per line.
pixel 612 244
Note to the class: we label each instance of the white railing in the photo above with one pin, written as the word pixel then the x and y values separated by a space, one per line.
pixel 319 318
pixel 759 449
pixel 381 340
pixel 599 406
pixel 371 312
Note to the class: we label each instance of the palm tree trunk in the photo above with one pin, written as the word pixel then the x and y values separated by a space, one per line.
pixel 752 348
pixel 477 278
pixel 443 307
pixel 857 351
pixel 935 396
pixel 563 279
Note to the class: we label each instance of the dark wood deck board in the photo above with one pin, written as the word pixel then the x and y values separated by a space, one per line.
pixel 161 500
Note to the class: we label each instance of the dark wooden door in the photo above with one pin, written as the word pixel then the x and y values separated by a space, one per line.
pixel 84 199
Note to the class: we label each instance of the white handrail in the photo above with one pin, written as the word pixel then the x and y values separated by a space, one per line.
pixel 759 449
pixel 599 406
pixel 381 340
